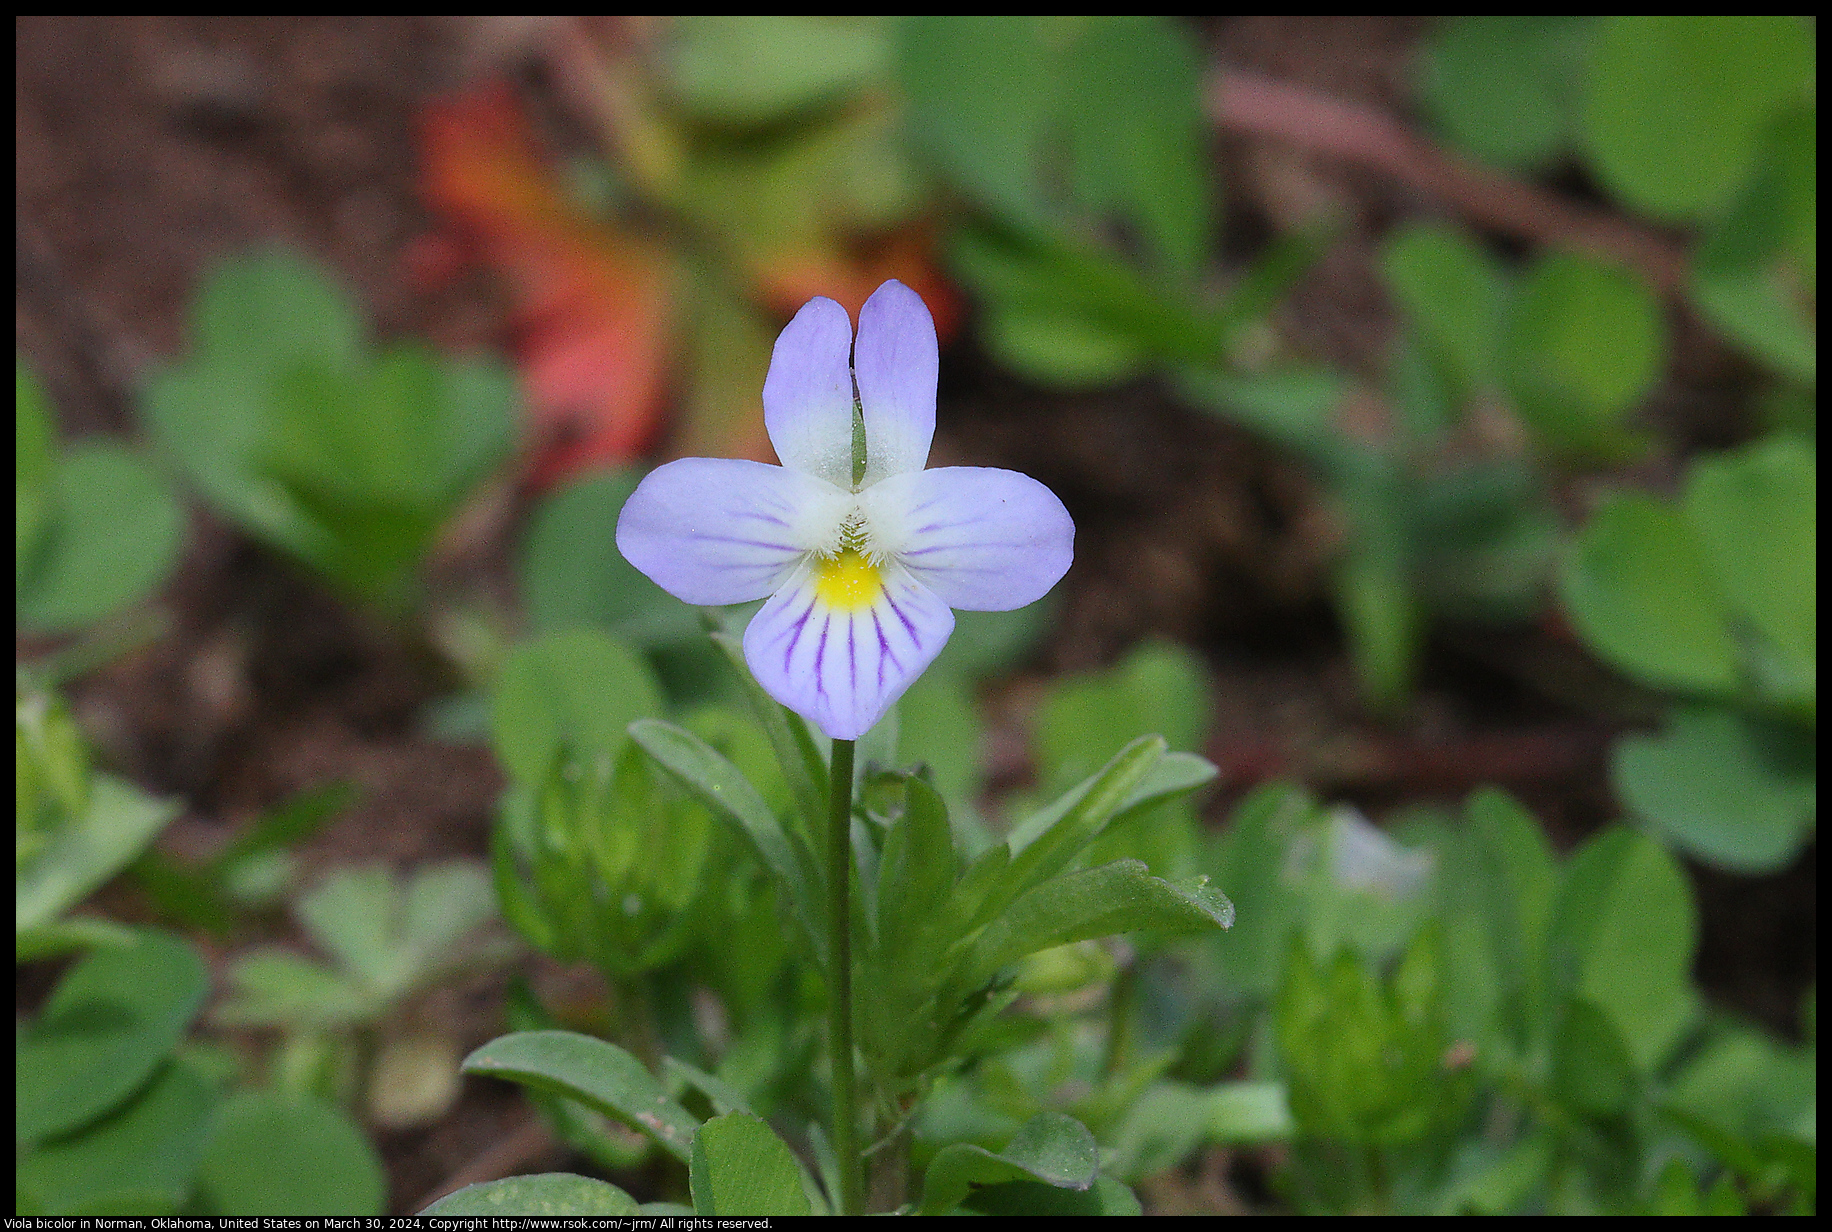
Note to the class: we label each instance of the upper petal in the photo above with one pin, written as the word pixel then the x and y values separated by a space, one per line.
pixel 843 667
pixel 724 530
pixel 807 396
pixel 983 539
pixel 896 363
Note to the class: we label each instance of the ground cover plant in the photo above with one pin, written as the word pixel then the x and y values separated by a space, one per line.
pixel 942 615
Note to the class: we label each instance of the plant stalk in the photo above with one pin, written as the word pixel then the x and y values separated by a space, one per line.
pixel 839 1001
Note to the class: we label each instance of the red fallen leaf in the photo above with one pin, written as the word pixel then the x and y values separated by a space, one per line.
pixel 594 307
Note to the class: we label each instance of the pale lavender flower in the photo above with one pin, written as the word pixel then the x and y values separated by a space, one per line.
pixel 860 576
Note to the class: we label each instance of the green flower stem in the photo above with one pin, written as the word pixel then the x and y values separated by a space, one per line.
pixel 839 1001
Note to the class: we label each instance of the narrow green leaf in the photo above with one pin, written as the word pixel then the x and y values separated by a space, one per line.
pixel 1592 1072
pixel 277 988
pixel 1121 897
pixel 802 765
pixel 725 1098
pixel 70 933
pixel 1523 878
pixel 595 1073
pixel 545 1193
pixel 1051 1147
pixel 740 1167
pixel 917 868
pixel 1454 291
pixel 716 783
pixel 118 824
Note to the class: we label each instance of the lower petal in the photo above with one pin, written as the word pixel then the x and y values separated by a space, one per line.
pixel 843 666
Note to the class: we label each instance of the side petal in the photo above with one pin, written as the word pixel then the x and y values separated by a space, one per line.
pixel 807 396
pixel 843 668
pixel 724 530
pixel 896 363
pixel 983 539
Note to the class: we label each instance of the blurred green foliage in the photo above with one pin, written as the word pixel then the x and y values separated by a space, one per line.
pixel 289 425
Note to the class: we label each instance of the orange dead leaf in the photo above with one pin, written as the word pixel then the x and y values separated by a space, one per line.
pixel 594 306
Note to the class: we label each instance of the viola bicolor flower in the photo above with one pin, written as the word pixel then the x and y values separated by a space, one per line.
pixel 861 566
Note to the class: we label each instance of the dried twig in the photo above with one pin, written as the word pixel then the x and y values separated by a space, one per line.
pixel 1257 106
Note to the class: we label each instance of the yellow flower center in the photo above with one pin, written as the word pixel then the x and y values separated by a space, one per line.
pixel 848 581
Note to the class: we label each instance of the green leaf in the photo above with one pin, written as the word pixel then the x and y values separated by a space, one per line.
pixel 1755 510
pixel 277 1154
pixel 1504 87
pixel 1754 276
pixel 791 739
pixel 740 1167
pixel 981 94
pixel 750 70
pixel 1051 1147
pixel 274 987
pixel 1121 897
pixel 211 424
pixel 117 825
pixel 572 575
pixel 1248 1112
pixel 111 536
pixel 1169 1120
pixel 1521 877
pixel 1734 792
pixel 1623 936
pixel 71 933
pixel 1586 341
pixel 717 784
pixel 917 867
pixel 354 916
pixel 575 692
pixel 1677 105
pixel 273 311
pixel 546 1193
pixel 1592 1072
pixel 1641 593
pixel 1379 609
pixel 147 1152
pixel 1293 408
pixel 599 1075
pixel 1137 145
pixel 1062 350
pixel 1158 687
pixel 1031 1198
pixel 1455 292
pixel 110 1023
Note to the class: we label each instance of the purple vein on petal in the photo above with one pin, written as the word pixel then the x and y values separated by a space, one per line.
pixel 794 631
pixel 820 656
pixel 907 625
